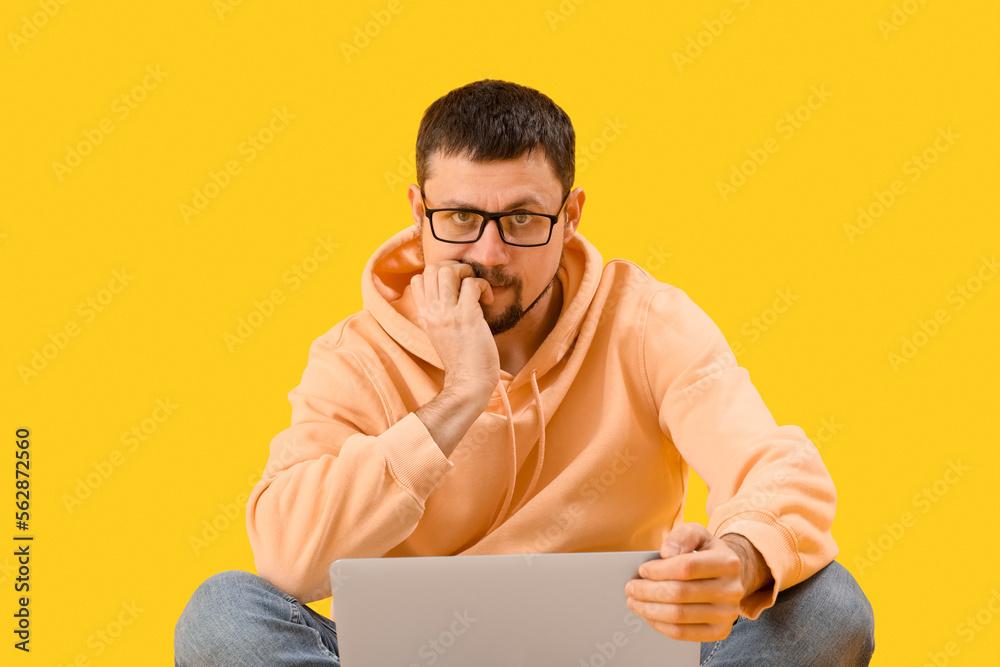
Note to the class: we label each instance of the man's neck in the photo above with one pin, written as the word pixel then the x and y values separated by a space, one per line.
pixel 516 346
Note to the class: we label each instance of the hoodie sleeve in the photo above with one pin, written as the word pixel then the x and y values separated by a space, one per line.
pixel 766 482
pixel 340 482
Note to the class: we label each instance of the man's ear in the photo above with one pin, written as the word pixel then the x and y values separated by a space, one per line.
pixel 416 207
pixel 574 209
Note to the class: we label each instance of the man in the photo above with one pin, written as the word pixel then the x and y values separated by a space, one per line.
pixel 503 391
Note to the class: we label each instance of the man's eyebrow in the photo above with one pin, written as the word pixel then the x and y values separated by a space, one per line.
pixel 520 203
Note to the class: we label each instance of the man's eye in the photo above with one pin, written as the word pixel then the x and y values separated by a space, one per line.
pixel 463 216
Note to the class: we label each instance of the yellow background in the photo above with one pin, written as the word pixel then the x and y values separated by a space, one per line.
pixel 339 169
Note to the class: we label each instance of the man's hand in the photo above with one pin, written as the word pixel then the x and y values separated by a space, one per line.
pixel 694 590
pixel 447 296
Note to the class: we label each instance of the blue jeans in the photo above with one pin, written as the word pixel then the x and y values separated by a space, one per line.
pixel 237 618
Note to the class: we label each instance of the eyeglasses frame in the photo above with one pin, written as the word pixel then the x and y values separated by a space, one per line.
pixel 490 216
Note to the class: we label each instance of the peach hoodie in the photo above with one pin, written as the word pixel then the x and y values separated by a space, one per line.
pixel 586 449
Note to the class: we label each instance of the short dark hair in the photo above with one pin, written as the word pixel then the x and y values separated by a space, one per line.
pixel 497 120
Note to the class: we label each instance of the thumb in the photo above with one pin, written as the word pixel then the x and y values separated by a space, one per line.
pixel 487 291
pixel 684 538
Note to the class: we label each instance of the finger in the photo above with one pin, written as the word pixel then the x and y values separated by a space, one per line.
pixel 450 262
pixel 417 289
pixel 473 291
pixel 694 632
pixel 707 564
pixel 487 291
pixel 430 283
pixel 465 272
pixel 683 614
pixel 725 590
pixel 432 274
pixel 419 298
pixel 461 268
pixel 685 538
pixel 449 284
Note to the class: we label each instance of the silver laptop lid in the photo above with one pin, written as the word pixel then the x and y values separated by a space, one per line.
pixel 527 610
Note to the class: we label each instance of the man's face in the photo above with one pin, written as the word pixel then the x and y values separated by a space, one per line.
pixel 519 276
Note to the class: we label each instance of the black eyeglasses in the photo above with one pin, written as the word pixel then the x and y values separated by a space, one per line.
pixel 518 228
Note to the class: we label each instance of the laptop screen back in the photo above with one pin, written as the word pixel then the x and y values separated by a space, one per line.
pixel 503 610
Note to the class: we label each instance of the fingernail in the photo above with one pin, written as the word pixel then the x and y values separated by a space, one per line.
pixel 671 549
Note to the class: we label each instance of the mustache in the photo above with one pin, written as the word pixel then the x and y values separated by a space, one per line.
pixel 492 275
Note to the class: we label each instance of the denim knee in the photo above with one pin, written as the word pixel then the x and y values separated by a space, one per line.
pixel 222 603
pixel 839 606
pixel 225 593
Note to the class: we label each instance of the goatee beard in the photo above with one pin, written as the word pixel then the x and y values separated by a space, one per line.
pixel 514 313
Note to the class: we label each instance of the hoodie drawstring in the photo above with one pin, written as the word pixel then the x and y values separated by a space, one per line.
pixel 513 447
pixel 541 444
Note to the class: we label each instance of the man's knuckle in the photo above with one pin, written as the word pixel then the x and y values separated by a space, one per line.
pixel 725 629
pixel 677 613
pixel 673 591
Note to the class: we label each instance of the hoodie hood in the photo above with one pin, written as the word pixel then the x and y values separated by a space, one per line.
pixel 385 289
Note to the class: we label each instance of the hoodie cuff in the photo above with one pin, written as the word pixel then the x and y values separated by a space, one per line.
pixel 414 459
pixel 777 546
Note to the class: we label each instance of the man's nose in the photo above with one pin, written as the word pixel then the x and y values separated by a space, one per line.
pixel 490 249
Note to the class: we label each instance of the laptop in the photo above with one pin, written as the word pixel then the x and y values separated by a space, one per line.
pixel 527 610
